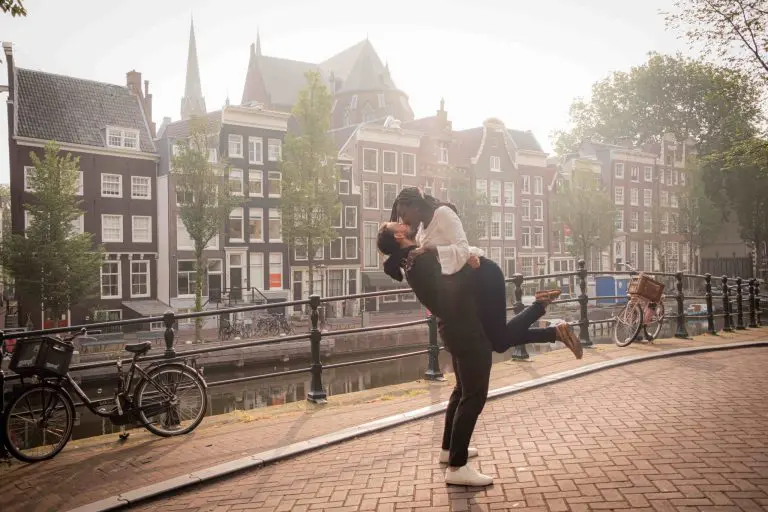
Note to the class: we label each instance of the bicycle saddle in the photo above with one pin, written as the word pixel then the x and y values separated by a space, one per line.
pixel 139 348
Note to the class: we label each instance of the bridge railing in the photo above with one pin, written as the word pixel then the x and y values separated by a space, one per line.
pixel 732 293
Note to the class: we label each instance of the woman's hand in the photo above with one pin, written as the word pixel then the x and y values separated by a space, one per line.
pixel 473 261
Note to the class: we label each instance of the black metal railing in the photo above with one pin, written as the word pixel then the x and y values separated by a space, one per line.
pixel 732 292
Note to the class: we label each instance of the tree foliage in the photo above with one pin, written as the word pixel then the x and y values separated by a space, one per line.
pixel 52 263
pixel 204 198
pixel 667 94
pixel 473 209
pixel 14 7
pixel 699 217
pixel 734 32
pixel 310 199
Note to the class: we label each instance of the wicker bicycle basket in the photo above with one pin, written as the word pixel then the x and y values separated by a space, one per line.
pixel 647 288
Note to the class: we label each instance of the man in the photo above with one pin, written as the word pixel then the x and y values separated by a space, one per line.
pixel 463 335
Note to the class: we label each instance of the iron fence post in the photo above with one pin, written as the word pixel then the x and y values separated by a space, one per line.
pixel 316 392
pixel 752 316
pixel 583 301
pixel 169 319
pixel 727 325
pixel 710 310
pixel 682 332
pixel 519 352
pixel 739 305
pixel 433 365
pixel 758 312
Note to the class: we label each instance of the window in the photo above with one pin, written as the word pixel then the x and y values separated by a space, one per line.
pixel 183 240
pixel 255 183
pixel 275 270
pixel 255 150
pixel 665 223
pixel 29 172
pixel 538 185
pixel 673 200
pixel 618 195
pixel 350 247
pixel 496 163
pixel 370 253
pixel 255 225
pixel 275 225
pixel 509 261
pixel 111 185
pixel 481 188
pixel 275 183
pixel 111 228
pixel 184 197
pixel 664 198
pixel 633 249
pixel 429 187
pixel 674 222
pixel 370 195
pixel 236 225
pixel 538 210
pixel 142 229
pixel 674 177
pixel 619 171
pixel 122 138
pixel 634 173
pixel 496 225
pixel 256 263
pixel 443 152
pixel 139 278
pixel 482 227
pixel 389 162
pixel 526 207
pixel 538 236
pixel 336 249
pixel 634 197
pixel 338 222
pixel 350 217
pixel 388 299
pixel 300 250
pixel 647 222
pixel 647 197
pixel 389 194
pixel 526 184
pixel 408 164
pixel 509 226
pixel 648 173
pixel 526 232
pixel 370 160
pixel 78 225
pixel 682 182
pixel 620 220
pixel 344 187
pixel 235 146
pixel 141 187
pixel 509 193
pixel 185 277
pixel 236 181
pixel 495 198
pixel 79 184
pixel 213 155
pixel 634 225
pixel 661 177
pixel 647 256
pixel 274 153
pixel 110 280
pixel 496 255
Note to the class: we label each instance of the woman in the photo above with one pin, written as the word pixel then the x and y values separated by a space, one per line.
pixel 440 230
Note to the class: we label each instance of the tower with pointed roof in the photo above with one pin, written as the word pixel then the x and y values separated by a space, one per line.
pixel 255 91
pixel 193 102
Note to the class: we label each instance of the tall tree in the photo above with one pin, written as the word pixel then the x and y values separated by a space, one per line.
pixel 310 201
pixel 668 94
pixel 14 7
pixel 473 208
pixel 587 209
pixel 699 217
pixel 732 31
pixel 51 262
pixel 662 224
pixel 204 198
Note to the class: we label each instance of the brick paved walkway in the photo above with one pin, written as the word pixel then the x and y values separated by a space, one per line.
pixel 687 433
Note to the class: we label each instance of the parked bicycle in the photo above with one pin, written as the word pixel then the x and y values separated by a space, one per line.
pixel 272 324
pixel 169 398
pixel 644 310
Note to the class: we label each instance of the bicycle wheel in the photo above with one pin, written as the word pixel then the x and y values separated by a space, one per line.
pixel 627 324
pixel 654 320
pixel 38 422
pixel 173 400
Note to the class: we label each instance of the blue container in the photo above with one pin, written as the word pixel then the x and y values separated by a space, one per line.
pixel 605 286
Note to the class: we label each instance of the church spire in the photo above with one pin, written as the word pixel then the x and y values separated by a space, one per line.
pixel 255 90
pixel 193 102
pixel 258 43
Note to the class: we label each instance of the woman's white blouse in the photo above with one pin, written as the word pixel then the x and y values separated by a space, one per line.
pixel 446 233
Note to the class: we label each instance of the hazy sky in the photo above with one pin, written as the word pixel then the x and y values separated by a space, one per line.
pixel 520 61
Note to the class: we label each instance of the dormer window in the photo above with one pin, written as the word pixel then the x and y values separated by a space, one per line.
pixel 122 138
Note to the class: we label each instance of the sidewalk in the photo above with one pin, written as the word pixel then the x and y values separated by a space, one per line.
pixel 93 469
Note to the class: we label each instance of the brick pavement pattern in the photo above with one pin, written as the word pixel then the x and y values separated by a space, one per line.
pixel 686 433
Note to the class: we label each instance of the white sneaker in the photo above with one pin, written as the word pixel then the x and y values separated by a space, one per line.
pixel 466 475
pixel 445 455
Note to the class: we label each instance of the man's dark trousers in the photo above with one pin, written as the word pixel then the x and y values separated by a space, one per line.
pixel 473 373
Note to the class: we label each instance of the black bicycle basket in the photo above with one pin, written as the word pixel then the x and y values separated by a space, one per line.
pixel 45 356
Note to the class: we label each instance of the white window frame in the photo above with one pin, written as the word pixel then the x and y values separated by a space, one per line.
pixel 376 152
pixel 616 195
pixel 647 197
pixel 538 185
pixel 350 212
pixel 634 172
pixel 634 221
pixel 231 179
pixel 274 143
pixel 537 229
pixel 499 191
pixel 119 279
pixel 634 197
pixel 269 267
pixel 260 174
pixel 386 205
pixel 239 210
pixel 233 141
pixel 384 153
pixel 137 181
pixel 481 187
pixel 402 164
pixel 340 241
pixel 338 222
pixel 78 225
pixel 277 215
pixel 133 229
pixel 270 175
pixel 213 155
pixel 496 219
pixel 344 190
pixel 189 273
pixel 28 171
pixel 301 244
pixel 648 174
pixel 507 216
pixel 354 255
pixel 530 236
pixel 389 299
pixel 103 238
pixel 79 191
pixel 442 152
pixel 256 157
pixel 647 226
pixel 619 170
pixel 149 280
pixel 525 209
pixel 376 258
pixel 365 196
pixel 620 219
pixel 495 163
pixel 504 189
pixel 538 210
pixel 119 185
pixel 525 187
pixel 123 134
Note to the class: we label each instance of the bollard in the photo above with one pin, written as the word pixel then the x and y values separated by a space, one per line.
pixel 433 365
pixel 519 352
pixel 739 305
pixel 169 319
pixel 758 313
pixel 316 392
pixel 682 332
pixel 752 315
pixel 727 324
pixel 583 300
pixel 710 310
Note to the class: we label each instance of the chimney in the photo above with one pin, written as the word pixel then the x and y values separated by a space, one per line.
pixel 133 81
pixel 148 109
